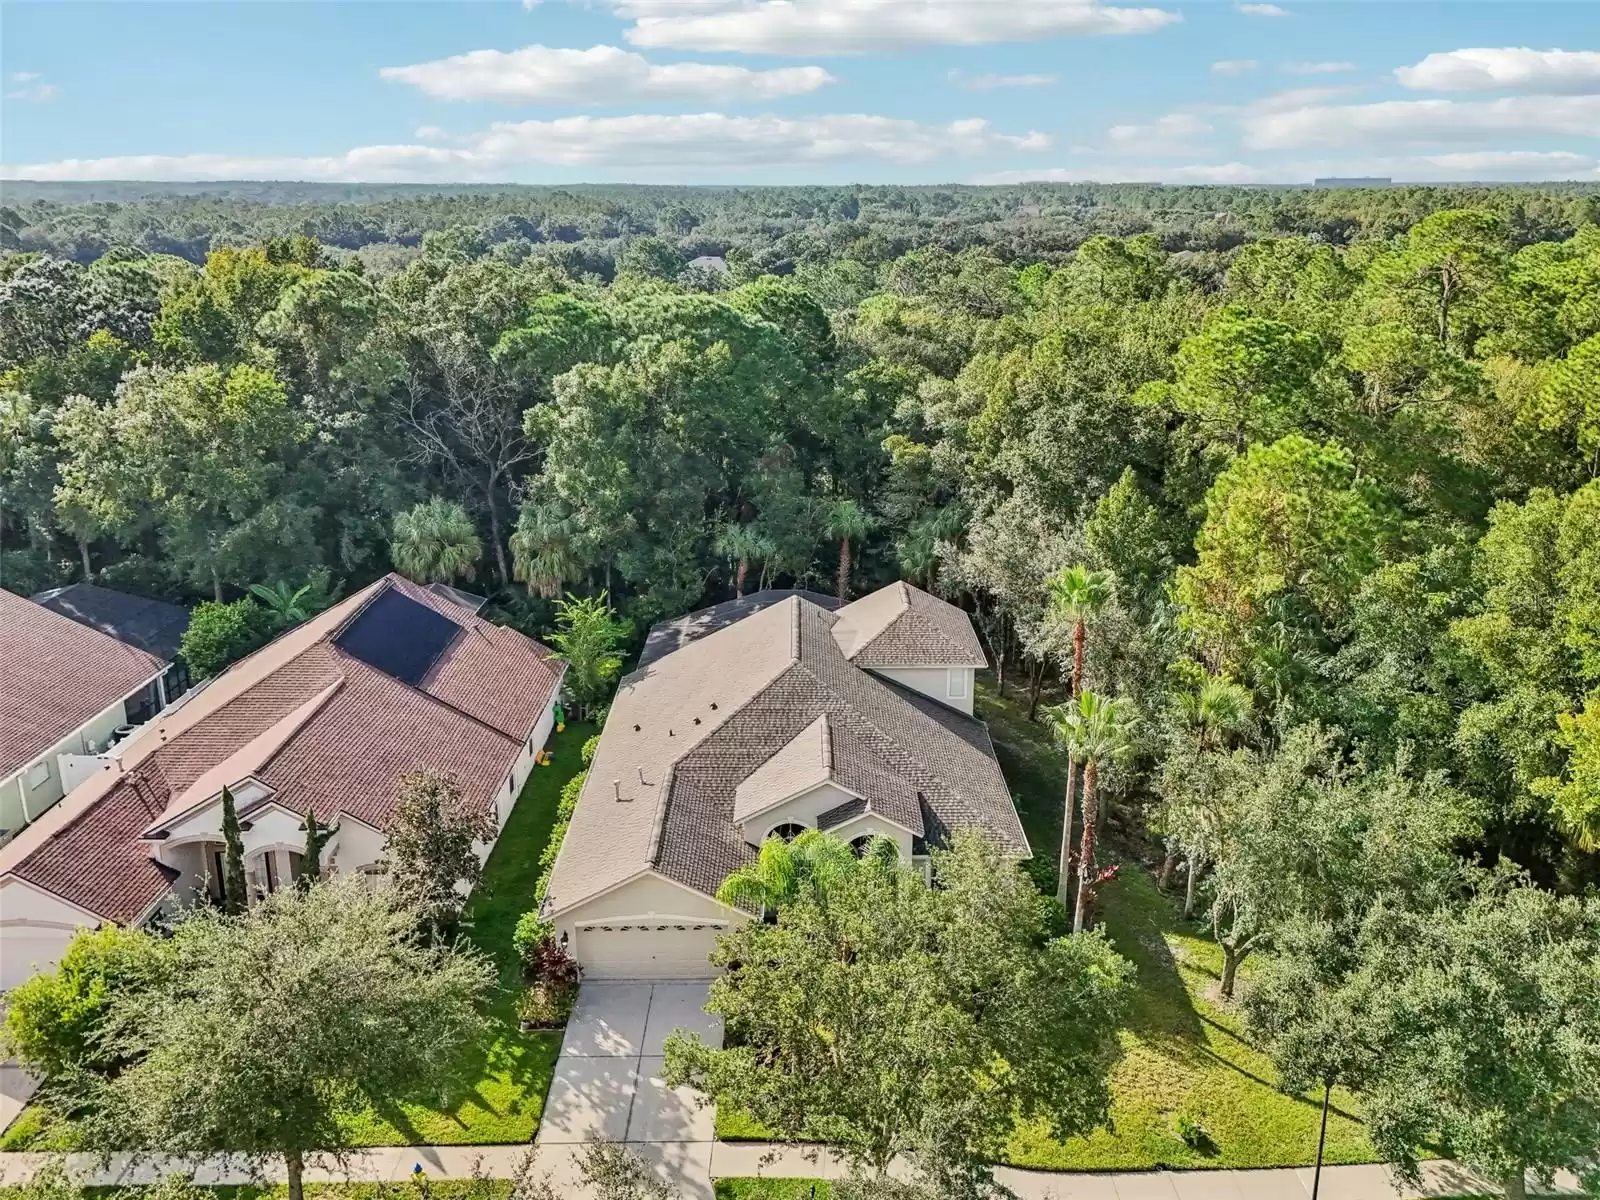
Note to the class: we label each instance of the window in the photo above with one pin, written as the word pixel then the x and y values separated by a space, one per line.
pixel 787 831
pixel 38 774
pixel 956 683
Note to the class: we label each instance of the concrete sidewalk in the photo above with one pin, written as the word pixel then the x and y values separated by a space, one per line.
pixel 756 1159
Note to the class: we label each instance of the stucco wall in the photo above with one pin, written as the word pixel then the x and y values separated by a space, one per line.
pixel 935 682
pixel 802 809
pixel 97 730
pixel 35 928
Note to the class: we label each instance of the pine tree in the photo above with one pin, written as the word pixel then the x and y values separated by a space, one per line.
pixel 317 837
pixel 234 899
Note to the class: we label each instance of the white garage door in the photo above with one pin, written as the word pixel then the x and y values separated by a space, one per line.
pixel 648 951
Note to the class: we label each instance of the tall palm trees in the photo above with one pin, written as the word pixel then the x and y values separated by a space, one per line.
pixel 742 545
pixel 1209 716
pixel 1101 733
pixel 849 522
pixel 1077 594
pixel 436 542
pixel 543 555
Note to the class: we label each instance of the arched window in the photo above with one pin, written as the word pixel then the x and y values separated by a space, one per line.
pixel 861 844
pixel 787 831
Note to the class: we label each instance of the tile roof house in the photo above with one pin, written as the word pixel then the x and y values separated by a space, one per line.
pixel 326 717
pixel 856 721
pixel 69 688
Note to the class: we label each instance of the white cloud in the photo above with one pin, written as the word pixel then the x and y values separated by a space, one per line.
pixel 1317 68
pixel 858 26
pixel 1420 121
pixel 1234 66
pixel 1175 132
pixel 1262 10
pixel 1515 164
pixel 1518 68
pixel 1301 97
pixel 703 141
pixel 1197 173
pixel 598 75
pixel 29 86
pixel 986 83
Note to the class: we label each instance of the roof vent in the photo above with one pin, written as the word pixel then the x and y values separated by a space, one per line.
pixel 713 706
pixel 636 729
pixel 697 720
pixel 616 786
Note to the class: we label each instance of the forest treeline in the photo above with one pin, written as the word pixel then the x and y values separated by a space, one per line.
pixel 1339 450
pixel 585 228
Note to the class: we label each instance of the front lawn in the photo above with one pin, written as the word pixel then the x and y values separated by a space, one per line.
pixel 502 1085
pixel 1184 1049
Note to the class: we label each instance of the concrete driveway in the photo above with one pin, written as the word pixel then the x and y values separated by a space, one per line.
pixel 607 1084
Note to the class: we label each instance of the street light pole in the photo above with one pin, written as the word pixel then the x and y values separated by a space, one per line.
pixel 1322 1139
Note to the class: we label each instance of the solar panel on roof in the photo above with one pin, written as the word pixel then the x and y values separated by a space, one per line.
pixel 399 637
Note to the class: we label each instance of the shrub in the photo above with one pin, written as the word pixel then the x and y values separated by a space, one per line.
pixel 564 810
pixel 545 1007
pixel 221 634
pixel 529 933
pixel 54 1021
pixel 586 755
pixel 1194 1135
pixel 28 571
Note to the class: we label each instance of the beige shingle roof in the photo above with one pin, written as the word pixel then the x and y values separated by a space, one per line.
pixel 903 626
pixel 664 786
pixel 317 725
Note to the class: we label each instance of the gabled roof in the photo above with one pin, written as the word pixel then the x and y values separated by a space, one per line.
pixel 57 674
pixel 903 626
pixel 674 634
pixel 804 763
pixel 316 725
pixel 150 625
pixel 686 732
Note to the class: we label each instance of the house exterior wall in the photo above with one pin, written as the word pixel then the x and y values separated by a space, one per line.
pixel 938 682
pixel 802 809
pixel 869 825
pixel 35 928
pixel 15 791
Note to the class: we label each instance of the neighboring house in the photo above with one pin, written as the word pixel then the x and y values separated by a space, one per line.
pixel 80 669
pixel 789 717
pixel 325 717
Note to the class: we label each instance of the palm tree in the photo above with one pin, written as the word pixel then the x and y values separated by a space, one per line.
pixel 1211 714
pixel 1103 733
pixel 1076 594
pixel 743 544
pixel 847 521
pixel 543 554
pixel 435 543
pixel 785 871
pixel 1064 721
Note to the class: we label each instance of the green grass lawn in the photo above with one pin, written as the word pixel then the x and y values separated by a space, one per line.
pixel 1184 1049
pixel 501 1086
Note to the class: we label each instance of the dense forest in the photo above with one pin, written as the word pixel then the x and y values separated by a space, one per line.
pixel 1336 450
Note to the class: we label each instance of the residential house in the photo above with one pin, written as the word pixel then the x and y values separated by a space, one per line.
pixel 80 669
pixel 325 718
pixel 768 719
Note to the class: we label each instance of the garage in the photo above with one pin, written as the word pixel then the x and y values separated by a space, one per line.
pixel 652 949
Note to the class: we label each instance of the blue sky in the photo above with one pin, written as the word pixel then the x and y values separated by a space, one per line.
pixel 779 91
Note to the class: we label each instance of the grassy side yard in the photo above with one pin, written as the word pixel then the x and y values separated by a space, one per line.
pixel 1184 1049
pixel 502 1084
